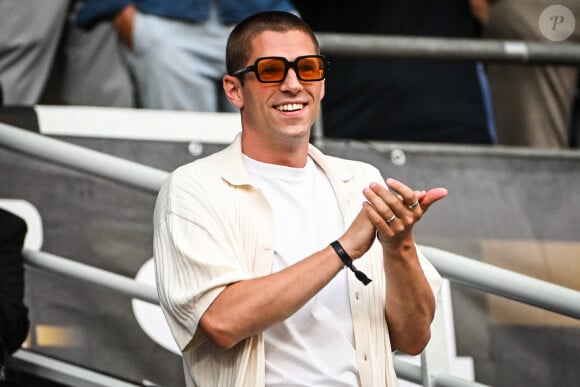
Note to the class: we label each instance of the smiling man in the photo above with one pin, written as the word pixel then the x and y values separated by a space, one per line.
pixel 255 245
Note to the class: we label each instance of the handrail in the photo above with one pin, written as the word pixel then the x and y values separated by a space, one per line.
pixel 82 159
pixel 505 283
pixel 119 283
pixel 409 47
pixel 456 268
pixel 63 372
pixel 447 380
pixel 412 373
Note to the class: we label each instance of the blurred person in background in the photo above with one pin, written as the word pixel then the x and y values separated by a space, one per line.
pixel 46 59
pixel 402 100
pixel 175 48
pixel 533 104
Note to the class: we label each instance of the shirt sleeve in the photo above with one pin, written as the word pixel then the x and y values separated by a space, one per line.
pixel 194 263
pixel 92 12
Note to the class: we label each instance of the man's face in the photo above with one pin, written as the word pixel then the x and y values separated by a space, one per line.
pixel 285 110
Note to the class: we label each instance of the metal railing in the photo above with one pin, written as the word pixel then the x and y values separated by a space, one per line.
pixel 457 268
pixel 63 372
pixel 118 283
pixel 82 159
pixel 484 50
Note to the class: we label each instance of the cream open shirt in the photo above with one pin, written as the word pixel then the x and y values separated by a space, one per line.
pixel 212 228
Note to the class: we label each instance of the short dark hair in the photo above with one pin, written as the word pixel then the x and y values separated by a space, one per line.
pixel 240 39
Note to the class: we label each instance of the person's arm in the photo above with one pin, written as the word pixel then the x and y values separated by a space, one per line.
pixel 123 23
pixel 248 307
pixel 480 10
pixel 410 304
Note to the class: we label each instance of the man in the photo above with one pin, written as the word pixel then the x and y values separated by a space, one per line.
pixel 13 313
pixel 251 289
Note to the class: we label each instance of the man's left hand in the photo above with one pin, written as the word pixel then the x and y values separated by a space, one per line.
pixel 395 208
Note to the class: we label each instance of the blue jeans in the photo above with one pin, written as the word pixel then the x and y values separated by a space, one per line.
pixel 179 65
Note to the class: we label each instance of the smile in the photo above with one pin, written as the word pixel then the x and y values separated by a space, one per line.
pixel 290 107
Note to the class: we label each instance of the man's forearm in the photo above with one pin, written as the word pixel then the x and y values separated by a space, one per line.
pixel 410 304
pixel 261 302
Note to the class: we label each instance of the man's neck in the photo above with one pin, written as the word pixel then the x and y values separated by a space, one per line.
pixel 291 153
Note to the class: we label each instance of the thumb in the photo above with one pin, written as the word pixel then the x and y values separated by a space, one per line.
pixel 432 196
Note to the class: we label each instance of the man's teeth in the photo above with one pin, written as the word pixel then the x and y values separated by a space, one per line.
pixel 290 107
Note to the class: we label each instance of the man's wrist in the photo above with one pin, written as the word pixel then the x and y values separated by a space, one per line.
pixel 347 260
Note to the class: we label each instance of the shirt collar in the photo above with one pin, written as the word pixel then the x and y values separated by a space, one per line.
pixel 235 172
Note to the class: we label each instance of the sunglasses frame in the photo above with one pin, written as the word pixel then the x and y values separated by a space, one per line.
pixel 288 65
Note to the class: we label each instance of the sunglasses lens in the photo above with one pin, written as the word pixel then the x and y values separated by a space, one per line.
pixel 271 70
pixel 310 68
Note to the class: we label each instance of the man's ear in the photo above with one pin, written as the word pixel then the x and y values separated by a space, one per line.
pixel 233 90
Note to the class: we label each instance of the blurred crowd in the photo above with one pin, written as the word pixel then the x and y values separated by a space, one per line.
pixel 170 55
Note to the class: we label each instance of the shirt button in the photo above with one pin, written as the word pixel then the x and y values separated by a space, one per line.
pixel 365 357
pixel 267 247
pixel 357 296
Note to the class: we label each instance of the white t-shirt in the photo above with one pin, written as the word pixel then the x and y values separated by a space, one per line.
pixel 315 346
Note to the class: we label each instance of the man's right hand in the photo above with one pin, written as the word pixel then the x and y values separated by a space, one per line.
pixel 359 237
pixel 123 23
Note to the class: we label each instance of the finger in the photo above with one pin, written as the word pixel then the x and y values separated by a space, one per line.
pixel 404 202
pixel 416 205
pixel 379 204
pixel 378 221
pixel 400 215
pixel 432 196
pixel 391 199
pixel 409 196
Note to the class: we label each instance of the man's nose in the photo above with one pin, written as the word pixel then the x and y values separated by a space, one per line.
pixel 291 82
